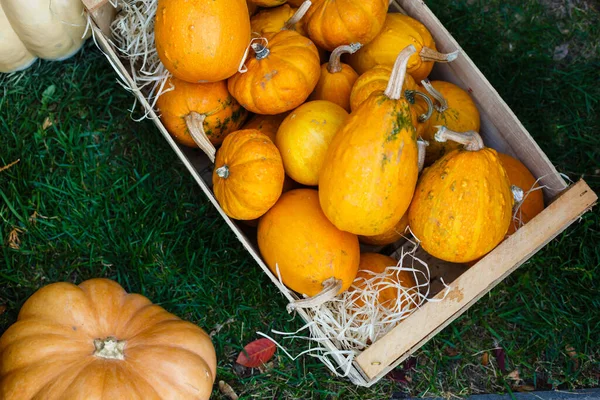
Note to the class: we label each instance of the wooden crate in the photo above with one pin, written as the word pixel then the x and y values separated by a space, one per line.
pixel 500 129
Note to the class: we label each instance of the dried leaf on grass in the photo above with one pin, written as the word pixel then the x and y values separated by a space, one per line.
pixel 400 374
pixel 227 390
pixel 13 239
pixel 485 359
pixel 47 123
pixel 256 353
pixel 573 356
pixel 451 351
pixel 9 165
pixel 514 376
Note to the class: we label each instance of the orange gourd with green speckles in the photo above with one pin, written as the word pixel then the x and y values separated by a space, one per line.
pixel 295 237
pixel 370 172
pixel 281 73
pixel 333 23
pixel 399 31
pixel 304 137
pixel 453 109
pixel 462 206
pixel 204 40
pixel 376 79
pixel 388 237
pixel 267 124
pixel 337 78
pixel 193 109
pixel 533 202
pixel 389 296
pixel 248 175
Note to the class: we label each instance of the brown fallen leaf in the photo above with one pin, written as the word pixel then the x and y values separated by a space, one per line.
pixel 227 390
pixel 485 359
pixel 13 239
pixel 450 351
pixel 47 123
pixel 514 376
pixel 256 353
pixel 9 165
pixel 523 388
pixel 572 355
pixel 2 308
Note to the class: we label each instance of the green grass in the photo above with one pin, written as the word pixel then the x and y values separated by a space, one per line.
pixel 112 200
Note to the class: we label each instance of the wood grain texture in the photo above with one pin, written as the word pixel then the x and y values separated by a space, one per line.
pixel 417 329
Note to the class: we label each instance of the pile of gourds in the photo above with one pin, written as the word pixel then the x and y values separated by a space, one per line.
pixel 332 154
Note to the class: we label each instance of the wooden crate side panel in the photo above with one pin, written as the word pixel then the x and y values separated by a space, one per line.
pixel 477 281
pixel 500 126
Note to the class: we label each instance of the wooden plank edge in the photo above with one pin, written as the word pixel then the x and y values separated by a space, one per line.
pixel 426 322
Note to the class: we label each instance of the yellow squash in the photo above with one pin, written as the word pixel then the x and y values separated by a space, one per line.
pixel 370 171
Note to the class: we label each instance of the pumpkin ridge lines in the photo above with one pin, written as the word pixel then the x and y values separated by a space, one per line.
pixel 82 365
pixel 126 366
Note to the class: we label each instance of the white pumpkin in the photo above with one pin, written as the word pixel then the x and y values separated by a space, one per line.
pixel 49 29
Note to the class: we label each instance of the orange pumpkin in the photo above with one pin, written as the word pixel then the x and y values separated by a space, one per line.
pixel 376 80
pixel 252 8
pixel 192 112
pixel 388 296
pixel 248 175
pixel 304 136
pixel 388 237
pixel 462 206
pixel 268 3
pixel 533 202
pixel 96 341
pixel 267 124
pixel 337 78
pixel 295 3
pixel 399 31
pixel 204 40
pixel 276 19
pixel 453 109
pixel 280 75
pixel 371 167
pixel 333 23
pixel 296 238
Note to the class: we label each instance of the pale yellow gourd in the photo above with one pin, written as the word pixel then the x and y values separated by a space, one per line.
pixel 31 29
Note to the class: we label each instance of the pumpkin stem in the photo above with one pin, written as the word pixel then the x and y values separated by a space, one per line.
pixel 410 96
pixel 436 95
pixel 290 23
pixel 331 288
pixel 260 50
pixel 421 147
pixel 471 139
pixel 518 194
pixel 195 125
pixel 428 54
pixel 223 172
pixel 110 348
pixel 394 87
pixel 334 64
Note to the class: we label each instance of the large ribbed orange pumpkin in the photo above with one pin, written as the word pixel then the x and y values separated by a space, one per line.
pixel 296 238
pixel 533 202
pixel 371 168
pixel 95 341
pixel 337 78
pixel 398 32
pixel 202 40
pixel 280 75
pixel 192 110
pixel 463 203
pixel 304 137
pixel 248 175
pixel 333 23
pixel 455 110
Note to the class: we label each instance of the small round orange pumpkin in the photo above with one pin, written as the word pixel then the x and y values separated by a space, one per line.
pixel 248 175
pixel 276 19
pixel 455 110
pixel 305 135
pixel 96 341
pixel 399 31
pixel 388 296
pixel 337 78
pixel 462 205
pixel 296 238
pixel 267 124
pixel 533 202
pixel 388 237
pixel 203 40
pixel 268 3
pixel 333 23
pixel 371 168
pixel 192 112
pixel 280 75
